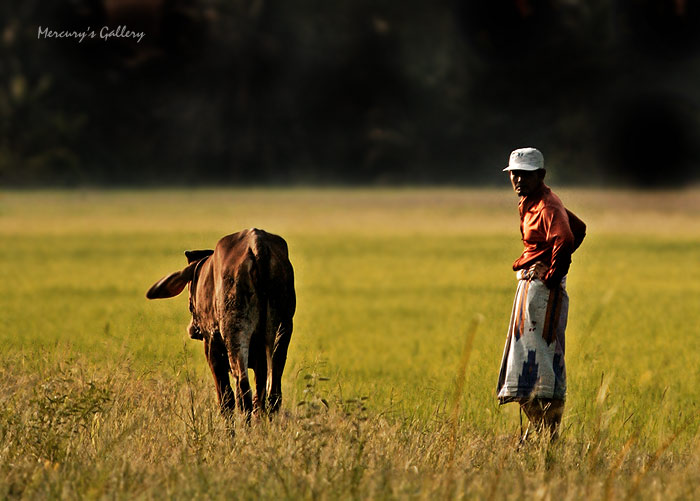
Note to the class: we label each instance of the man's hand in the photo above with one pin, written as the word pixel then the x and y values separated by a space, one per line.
pixel 538 270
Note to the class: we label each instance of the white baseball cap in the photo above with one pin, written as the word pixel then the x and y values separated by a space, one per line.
pixel 525 159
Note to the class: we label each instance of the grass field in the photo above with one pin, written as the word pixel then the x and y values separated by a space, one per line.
pixel 102 394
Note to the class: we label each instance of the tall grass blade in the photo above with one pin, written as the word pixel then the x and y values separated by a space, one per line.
pixel 462 369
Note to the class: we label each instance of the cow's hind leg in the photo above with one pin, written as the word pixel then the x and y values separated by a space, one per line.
pixel 237 337
pixel 260 369
pixel 279 358
pixel 217 357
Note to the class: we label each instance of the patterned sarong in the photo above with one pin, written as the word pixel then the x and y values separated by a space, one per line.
pixel 533 358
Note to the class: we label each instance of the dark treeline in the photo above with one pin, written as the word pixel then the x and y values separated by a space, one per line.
pixel 348 91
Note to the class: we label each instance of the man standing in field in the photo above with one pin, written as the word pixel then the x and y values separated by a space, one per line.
pixel 532 371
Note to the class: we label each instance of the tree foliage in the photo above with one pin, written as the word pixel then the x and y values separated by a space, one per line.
pixel 351 91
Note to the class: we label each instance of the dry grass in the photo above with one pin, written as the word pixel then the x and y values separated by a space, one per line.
pixel 70 430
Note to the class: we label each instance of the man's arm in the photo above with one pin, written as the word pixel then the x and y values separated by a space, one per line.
pixel 578 228
pixel 561 238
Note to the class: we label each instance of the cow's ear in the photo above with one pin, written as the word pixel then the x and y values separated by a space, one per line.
pixel 172 285
pixel 196 255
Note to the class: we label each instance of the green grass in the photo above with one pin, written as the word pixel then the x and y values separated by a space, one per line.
pixel 103 395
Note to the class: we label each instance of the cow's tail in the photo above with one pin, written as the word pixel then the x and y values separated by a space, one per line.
pixel 278 302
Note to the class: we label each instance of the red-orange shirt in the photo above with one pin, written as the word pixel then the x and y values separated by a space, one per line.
pixel 550 233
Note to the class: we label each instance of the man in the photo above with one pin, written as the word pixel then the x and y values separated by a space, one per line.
pixel 532 371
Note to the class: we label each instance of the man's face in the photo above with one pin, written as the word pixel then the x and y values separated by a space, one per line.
pixel 526 182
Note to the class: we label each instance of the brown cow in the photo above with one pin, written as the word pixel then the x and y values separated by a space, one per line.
pixel 242 302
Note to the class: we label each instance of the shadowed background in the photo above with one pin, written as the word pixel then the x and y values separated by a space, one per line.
pixel 283 92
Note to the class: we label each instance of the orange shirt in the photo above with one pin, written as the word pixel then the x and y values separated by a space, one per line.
pixel 550 232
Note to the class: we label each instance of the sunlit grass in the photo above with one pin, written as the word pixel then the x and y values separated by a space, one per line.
pixel 103 393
